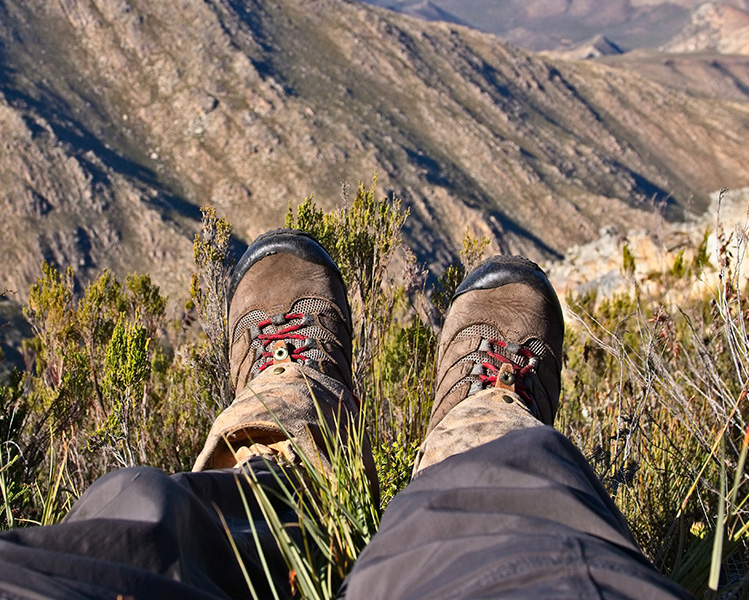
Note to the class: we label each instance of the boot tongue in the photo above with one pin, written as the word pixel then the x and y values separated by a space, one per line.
pixel 234 446
pixel 281 452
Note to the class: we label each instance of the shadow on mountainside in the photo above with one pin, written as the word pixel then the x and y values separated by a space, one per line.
pixel 44 104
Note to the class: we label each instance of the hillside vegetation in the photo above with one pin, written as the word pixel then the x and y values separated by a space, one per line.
pixel 654 394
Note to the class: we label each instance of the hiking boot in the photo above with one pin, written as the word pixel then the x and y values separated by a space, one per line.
pixel 499 360
pixel 288 303
pixel 290 346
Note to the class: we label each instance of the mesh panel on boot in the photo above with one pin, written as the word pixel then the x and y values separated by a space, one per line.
pixel 251 319
pixel 488 333
pixel 313 306
pixel 305 306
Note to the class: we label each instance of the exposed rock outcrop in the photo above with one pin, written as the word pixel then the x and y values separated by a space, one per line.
pixel 599 267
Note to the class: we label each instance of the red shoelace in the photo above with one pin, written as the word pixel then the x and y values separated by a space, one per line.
pixel 287 333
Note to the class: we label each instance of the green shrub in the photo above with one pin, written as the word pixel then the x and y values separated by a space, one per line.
pixel 110 388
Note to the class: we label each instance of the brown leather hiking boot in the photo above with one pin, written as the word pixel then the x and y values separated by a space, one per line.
pixel 288 303
pixel 289 349
pixel 499 362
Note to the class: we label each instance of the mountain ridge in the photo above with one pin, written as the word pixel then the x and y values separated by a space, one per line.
pixel 122 118
pixel 557 25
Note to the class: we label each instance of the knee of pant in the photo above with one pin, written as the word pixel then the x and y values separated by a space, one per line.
pixel 539 440
pixel 137 494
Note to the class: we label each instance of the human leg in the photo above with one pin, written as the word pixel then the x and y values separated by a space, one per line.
pixel 502 505
pixel 139 533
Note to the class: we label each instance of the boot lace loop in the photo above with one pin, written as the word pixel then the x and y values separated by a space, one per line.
pixel 286 334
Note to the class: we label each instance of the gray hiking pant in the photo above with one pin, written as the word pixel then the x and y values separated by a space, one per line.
pixel 520 517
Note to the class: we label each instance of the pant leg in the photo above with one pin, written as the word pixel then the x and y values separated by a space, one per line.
pixel 138 533
pixel 523 516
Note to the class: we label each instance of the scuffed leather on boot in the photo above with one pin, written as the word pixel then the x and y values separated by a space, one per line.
pixel 477 420
pixel 278 401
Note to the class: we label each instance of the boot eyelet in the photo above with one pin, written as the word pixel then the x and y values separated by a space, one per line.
pixel 281 353
pixel 279 371
pixel 507 378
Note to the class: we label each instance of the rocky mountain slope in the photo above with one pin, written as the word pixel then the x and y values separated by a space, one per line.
pixel 597 47
pixel 706 74
pixel 713 26
pixel 122 117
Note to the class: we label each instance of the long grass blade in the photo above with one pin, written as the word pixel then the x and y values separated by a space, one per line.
pixel 720 525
